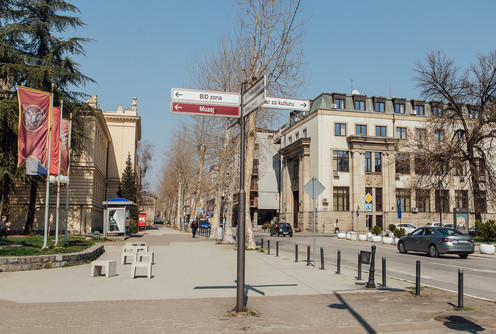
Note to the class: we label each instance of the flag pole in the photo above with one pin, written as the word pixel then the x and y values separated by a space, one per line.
pixel 68 179
pixel 58 175
pixel 47 196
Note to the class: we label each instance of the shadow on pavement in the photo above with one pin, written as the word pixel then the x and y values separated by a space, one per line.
pixel 344 306
pixel 460 323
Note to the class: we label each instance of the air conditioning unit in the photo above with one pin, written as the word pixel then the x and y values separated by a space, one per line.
pixel 334 106
pixel 415 210
pixel 413 112
pixel 336 174
pixel 397 176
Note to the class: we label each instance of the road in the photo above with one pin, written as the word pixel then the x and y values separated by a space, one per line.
pixel 442 272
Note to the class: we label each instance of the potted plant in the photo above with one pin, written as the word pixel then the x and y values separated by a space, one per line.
pixel 487 231
pixel 362 237
pixel 398 233
pixel 341 235
pixel 388 237
pixel 376 231
pixel 391 228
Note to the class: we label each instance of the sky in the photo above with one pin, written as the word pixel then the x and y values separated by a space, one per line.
pixel 143 49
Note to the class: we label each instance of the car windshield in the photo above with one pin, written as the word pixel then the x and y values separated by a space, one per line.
pixel 449 231
pixel 284 225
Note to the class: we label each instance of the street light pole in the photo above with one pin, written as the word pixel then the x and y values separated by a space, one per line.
pixel 440 204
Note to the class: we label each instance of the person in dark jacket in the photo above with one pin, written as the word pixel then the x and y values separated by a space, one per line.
pixel 4 226
pixel 194 226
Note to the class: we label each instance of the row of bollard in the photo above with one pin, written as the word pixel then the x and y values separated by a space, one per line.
pixel 371 281
pixel 204 232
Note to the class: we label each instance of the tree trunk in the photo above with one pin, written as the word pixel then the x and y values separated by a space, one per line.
pixel 28 228
pixel 179 205
pixel 250 152
pixel 228 234
pixel 219 186
pixel 196 194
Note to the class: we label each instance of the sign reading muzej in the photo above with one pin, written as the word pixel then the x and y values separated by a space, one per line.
pixel 34 116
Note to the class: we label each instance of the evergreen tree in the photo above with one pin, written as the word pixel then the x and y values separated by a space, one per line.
pixel 127 187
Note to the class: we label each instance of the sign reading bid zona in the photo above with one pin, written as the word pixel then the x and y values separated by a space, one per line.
pixel 205 96
pixel 204 109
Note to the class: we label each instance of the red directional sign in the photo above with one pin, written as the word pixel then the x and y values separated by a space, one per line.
pixel 205 109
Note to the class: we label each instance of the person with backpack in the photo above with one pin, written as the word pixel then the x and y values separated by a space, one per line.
pixel 194 226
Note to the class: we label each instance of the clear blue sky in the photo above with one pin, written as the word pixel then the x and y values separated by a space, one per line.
pixel 143 48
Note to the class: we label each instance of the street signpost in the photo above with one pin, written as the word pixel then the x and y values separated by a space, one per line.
pixel 205 109
pixel 251 106
pixel 284 103
pixel 314 188
pixel 254 97
pixel 205 96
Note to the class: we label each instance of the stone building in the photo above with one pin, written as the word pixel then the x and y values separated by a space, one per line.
pixel 351 144
pixel 109 137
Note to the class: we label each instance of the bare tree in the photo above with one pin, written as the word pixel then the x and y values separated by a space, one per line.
pixel 464 126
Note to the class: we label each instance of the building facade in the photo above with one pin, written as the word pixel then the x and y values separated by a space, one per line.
pixel 353 145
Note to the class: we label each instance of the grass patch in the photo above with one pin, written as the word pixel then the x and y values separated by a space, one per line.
pixel 456 308
pixel 481 240
pixel 32 245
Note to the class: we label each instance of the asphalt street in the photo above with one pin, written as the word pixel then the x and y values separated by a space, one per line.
pixel 479 272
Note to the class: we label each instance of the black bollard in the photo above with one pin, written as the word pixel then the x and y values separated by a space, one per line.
pixel 308 255
pixel 296 252
pixel 338 271
pixel 359 268
pixel 383 271
pixel 321 258
pixel 371 283
pixel 277 248
pixel 268 246
pixel 417 280
pixel 460 288
pixel 261 244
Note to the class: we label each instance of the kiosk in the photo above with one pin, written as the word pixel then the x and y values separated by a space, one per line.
pixel 115 214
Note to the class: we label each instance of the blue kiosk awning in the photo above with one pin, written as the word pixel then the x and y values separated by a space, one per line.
pixel 118 202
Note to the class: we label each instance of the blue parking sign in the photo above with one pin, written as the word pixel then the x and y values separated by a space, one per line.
pixel 398 204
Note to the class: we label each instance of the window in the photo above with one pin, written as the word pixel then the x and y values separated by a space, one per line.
pixel 380 131
pixel 461 169
pixel 297 136
pixel 340 129
pixel 436 111
pixel 399 107
pixel 444 200
pixel 474 114
pixel 403 163
pixel 340 161
pixel 419 109
pixel 378 162
pixel 458 135
pixel 379 106
pixel 339 103
pixel 359 104
pixel 401 133
pixel 421 134
pixel 361 129
pixel 404 196
pixel 304 133
pixel 290 139
pixel 439 135
pixel 341 198
pixel 461 198
pixel 421 165
pixel 423 200
pixel 368 162
pixel 378 199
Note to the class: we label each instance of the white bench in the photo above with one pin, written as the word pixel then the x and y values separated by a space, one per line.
pixel 142 264
pixel 128 251
pixel 148 255
pixel 106 266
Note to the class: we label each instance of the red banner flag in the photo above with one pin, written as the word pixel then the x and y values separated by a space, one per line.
pixel 34 115
pixel 54 158
pixel 64 147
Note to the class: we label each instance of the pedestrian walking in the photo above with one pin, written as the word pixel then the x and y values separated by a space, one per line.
pixel 4 226
pixel 127 226
pixel 336 226
pixel 194 226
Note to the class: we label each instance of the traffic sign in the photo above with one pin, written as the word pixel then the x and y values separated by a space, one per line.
pixel 313 187
pixel 255 90
pixel 205 96
pixel 283 103
pixel 205 109
pixel 368 198
pixel 257 102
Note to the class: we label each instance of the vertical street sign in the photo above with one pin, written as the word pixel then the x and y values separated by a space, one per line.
pixel 254 97
pixel 314 188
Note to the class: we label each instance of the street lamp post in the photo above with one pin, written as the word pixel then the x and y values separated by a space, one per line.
pixel 439 184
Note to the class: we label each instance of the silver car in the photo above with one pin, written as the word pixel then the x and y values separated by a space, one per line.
pixel 437 240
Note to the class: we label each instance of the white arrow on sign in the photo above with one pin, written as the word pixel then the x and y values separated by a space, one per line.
pixel 205 96
pixel 257 102
pixel 290 104
pixel 254 91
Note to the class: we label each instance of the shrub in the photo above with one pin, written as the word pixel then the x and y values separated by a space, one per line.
pixel 133 227
pixel 487 230
pixel 399 232
pixel 376 230
pixel 392 227
pixel 266 226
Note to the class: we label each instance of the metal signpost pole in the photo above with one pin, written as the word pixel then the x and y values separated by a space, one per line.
pixel 314 236
pixel 47 195
pixel 240 235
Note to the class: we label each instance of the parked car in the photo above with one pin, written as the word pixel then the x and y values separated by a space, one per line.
pixel 433 224
pixel 409 228
pixel 204 223
pixel 158 221
pixel 471 231
pixel 437 240
pixel 448 225
pixel 281 229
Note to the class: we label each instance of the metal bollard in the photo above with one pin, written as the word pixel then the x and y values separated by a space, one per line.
pixel 277 248
pixel 371 282
pixel 261 244
pixel 383 271
pixel 460 288
pixel 268 246
pixel 359 268
pixel 338 270
pixel 322 258
pixel 308 255
pixel 296 252
pixel 417 280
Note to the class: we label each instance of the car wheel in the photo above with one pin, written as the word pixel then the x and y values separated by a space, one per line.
pixel 291 235
pixel 463 256
pixel 433 251
pixel 402 248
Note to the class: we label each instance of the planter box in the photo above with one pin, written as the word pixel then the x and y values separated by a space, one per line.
pixel 396 240
pixel 353 236
pixel 341 235
pixel 348 236
pixel 362 237
pixel 486 249
pixel 376 238
pixel 387 240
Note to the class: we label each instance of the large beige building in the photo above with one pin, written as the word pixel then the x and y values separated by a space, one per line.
pixel 109 137
pixel 351 144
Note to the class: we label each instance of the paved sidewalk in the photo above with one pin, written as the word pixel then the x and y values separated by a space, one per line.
pixel 193 289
